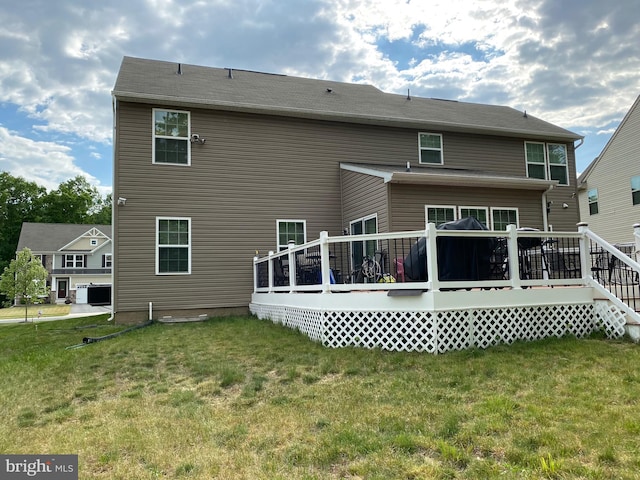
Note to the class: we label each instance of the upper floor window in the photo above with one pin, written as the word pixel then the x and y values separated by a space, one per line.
pixel 592 196
pixel 173 245
pixel 295 230
pixel 635 190
pixel 547 161
pixel 430 145
pixel 171 137
pixel 106 260
pixel 501 217
pixel 75 261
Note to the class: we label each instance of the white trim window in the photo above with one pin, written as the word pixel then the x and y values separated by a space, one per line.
pixel 547 161
pixel 479 213
pixel 592 198
pixel 430 148
pixel 171 130
pixel 75 261
pixel 439 214
pixel 503 216
pixel 173 246
pixel 287 230
pixel 635 190
pixel 359 250
pixel 107 260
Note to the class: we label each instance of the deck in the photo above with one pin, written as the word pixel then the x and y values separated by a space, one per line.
pixel 513 293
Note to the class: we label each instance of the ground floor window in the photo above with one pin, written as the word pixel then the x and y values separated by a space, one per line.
pixel 479 213
pixel 440 214
pixel 501 217
pixel 288 230
pixel 173 245
pixel 359 250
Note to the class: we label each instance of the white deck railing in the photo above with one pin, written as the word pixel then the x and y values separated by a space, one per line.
pixel 489 259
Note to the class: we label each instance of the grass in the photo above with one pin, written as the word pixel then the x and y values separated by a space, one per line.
pixel 46 310
pixel 239 398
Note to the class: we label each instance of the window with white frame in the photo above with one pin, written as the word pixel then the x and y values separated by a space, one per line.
pixel 93 242
pixel 558 163
pixel 359 250
pixel 171 143
pixel 430 148
pixel 479 213
pixel 592 196
pixel 635 190
pixel 106 260
pixel 295 230
pixel 440 214
pixel 547 161
pixel 173 245
pixel 75 261
pixel 501 217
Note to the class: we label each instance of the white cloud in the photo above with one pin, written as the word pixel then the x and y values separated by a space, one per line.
pixel 46 163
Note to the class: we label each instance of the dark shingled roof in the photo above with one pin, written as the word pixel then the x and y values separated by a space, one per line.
pixel 158 82
pixel 50 237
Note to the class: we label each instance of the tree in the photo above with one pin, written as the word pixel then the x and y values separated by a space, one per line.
pixel 20 201
pixel 24 278
pixel 73 202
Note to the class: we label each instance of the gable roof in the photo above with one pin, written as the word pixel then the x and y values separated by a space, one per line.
pixel 584 176
pixel 51 237
pixel 158 82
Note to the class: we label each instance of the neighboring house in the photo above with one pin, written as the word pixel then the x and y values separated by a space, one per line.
pixel 77 257
pixel 212 165
pixel 609 189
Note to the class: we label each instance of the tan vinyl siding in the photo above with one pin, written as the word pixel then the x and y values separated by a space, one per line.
pixel 408 203
pixel 364 195
pixel 255 169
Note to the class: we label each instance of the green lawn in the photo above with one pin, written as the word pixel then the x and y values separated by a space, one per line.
pixel 48 310
pixel 240 398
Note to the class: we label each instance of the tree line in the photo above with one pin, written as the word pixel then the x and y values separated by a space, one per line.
pixel 74 201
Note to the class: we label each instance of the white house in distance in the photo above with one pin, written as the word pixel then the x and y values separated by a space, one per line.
pixel 609 189
pixel 77 257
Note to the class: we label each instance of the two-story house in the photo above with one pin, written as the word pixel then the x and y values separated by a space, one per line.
pixel 77 257
pixel 609 189
pixel 212 165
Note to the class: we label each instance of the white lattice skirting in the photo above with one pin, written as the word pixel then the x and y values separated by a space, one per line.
pixel 442 331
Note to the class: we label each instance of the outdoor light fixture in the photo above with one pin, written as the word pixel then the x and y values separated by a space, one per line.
pixel 195 138
pixel 122 201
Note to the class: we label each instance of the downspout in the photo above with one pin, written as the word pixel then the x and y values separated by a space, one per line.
pixel 113 209
pixel 545 215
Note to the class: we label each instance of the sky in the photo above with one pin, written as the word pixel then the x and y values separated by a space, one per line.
pixel 574 63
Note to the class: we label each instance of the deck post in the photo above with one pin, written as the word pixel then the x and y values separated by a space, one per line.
pixel 325 268
pixel 432 257
pixel 292 264
pixel 255 273
pixel 512 251
pixel 636 234
pixel 270 263
pixel 585 254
